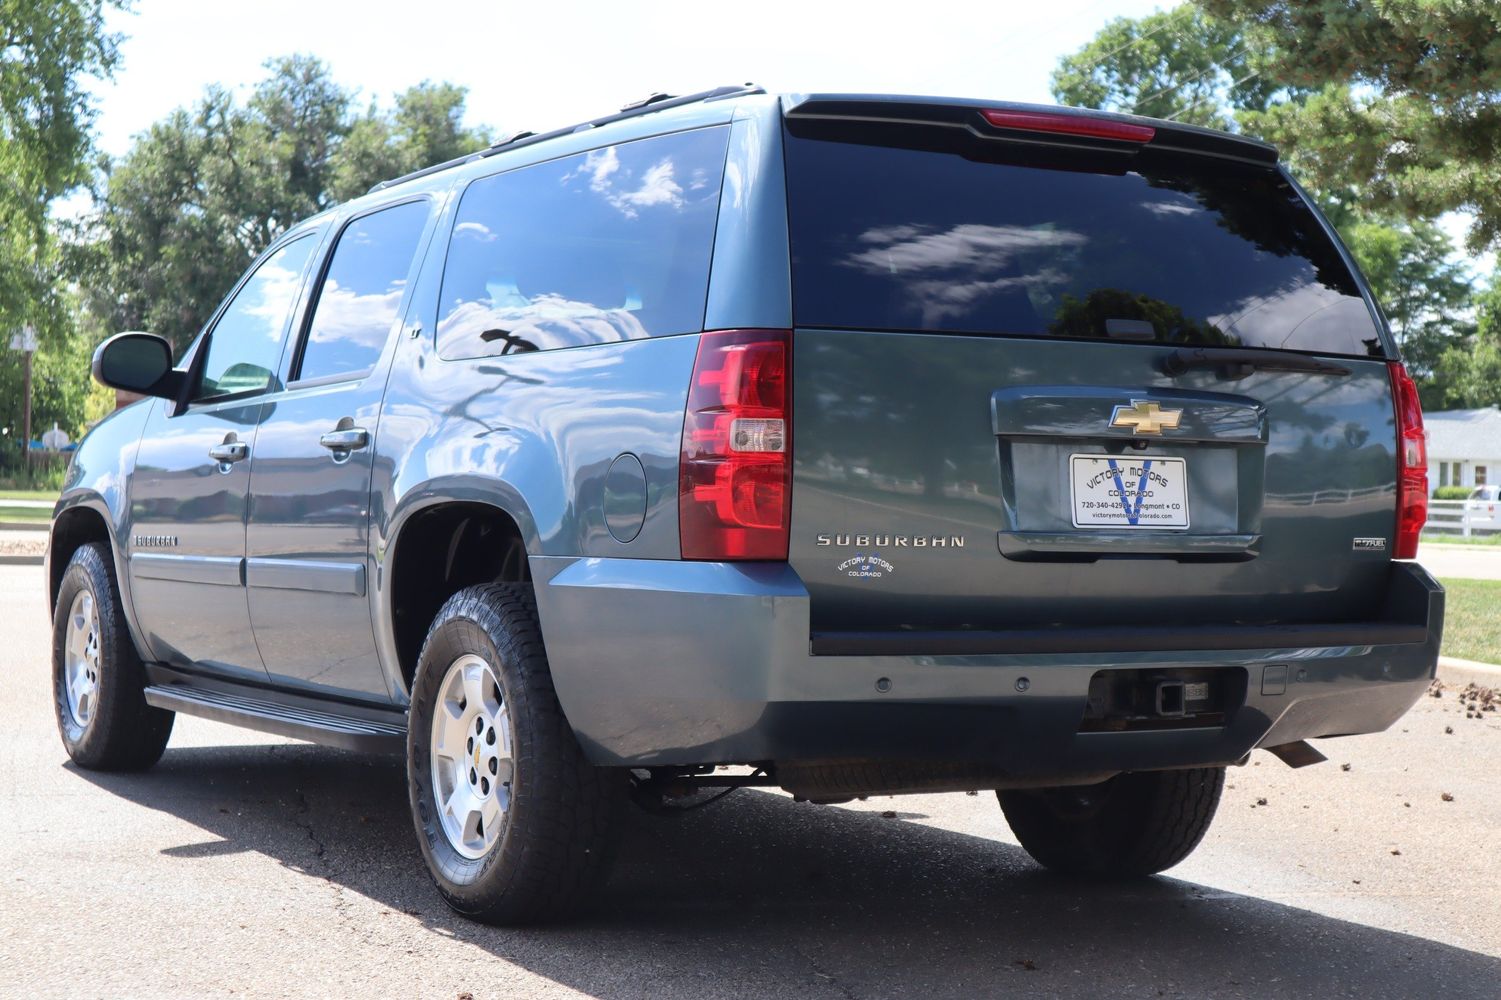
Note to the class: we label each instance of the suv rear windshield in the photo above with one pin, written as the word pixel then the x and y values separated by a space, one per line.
pixel 967 235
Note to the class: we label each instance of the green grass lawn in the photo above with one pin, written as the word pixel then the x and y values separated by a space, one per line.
pixel 1472 620
pixel 41 515
pixel 1492 539
pixel 34 515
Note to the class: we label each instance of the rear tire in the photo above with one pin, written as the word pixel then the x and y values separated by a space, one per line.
pixel 514 824
pixel 98 681
pixel 1132 825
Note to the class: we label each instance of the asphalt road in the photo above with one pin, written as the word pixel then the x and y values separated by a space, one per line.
pixel 264 868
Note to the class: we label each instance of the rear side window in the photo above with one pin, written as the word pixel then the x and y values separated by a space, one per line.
pixel 360 298
pixel 966 235
pixel 609 245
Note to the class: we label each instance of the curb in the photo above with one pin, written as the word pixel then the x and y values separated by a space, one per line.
pixel 1452 670
pixel 25 525
pixel 22 560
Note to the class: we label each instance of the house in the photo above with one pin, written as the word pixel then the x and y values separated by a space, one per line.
pixel 1464 447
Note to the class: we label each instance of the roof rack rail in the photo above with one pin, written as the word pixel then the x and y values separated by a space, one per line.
pixel 647 105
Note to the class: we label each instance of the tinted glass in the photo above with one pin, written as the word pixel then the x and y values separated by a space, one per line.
pixel 977 236
pixel 360 297
pixel 245 345
pixel 603 246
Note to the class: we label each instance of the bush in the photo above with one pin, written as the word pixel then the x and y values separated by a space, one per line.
pixel 46 473
pixel 1453 492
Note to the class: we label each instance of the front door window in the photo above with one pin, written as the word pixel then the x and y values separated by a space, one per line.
pixel 244 348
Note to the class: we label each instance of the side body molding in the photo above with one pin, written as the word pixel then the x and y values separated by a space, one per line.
pixel 220 571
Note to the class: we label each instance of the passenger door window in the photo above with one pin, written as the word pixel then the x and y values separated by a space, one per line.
pixel 361 295
pixel 244 347
pixel 608 245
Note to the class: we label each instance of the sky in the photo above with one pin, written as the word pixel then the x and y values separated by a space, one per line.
pixel 540 65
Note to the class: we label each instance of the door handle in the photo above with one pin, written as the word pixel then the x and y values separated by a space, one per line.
pixel 345 439
pixel 229 451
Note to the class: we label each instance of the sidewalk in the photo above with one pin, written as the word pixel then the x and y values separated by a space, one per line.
pixel 1452 670
pixel 1468 562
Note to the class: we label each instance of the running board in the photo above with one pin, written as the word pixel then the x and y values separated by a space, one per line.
pixel 365 735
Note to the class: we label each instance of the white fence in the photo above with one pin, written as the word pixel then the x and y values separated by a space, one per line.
pixel 1463 517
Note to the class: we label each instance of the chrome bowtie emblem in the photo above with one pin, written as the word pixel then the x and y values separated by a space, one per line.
pixel 1145 417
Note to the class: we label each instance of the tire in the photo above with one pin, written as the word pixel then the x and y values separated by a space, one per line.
pixel 1130 826
pixel 552 825
pixel 98 682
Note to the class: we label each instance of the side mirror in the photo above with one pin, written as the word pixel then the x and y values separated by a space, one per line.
pixel 137 362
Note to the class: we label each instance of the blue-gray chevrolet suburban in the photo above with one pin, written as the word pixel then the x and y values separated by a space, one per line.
pixel 846 444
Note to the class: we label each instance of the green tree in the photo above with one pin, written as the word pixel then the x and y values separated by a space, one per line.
pixel 1179 64
pixel 175 222
pixel 47 50
pixel 1208 66
pixel 62 392
pixel 424 128
pixel 1426 294
pixel 1468 374
pixel 206 189
pixel 1405 102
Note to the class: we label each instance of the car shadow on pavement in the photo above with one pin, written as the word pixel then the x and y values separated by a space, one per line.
pixel 761 896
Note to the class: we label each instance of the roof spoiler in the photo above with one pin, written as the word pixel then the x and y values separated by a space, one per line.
pixel 1100 130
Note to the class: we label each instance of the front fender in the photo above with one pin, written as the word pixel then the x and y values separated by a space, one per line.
pixel 96 489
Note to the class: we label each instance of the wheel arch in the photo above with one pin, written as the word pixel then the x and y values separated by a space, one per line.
pixel 83 520
pixel 444 540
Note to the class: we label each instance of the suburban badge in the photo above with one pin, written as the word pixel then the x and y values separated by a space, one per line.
pixel 885 541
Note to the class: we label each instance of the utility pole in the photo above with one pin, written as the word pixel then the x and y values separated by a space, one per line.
pixel 25 342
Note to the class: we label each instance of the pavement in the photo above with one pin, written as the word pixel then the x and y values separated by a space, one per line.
pixel 1466 562
pixel 260 867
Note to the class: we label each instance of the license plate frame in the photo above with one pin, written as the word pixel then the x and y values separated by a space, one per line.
pixel 1121 493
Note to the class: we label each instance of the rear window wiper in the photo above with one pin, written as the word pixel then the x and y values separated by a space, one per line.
pixel 1238 362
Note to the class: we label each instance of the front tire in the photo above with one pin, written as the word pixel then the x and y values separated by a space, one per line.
pixel 514 824
pixel 98 682
pixel 1132 825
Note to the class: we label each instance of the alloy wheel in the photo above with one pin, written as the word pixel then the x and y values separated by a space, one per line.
pixel 472 764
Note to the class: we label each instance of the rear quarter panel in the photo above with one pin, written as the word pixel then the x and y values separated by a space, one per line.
pixel 535 434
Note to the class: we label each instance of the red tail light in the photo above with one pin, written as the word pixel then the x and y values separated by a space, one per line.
pixel 1044 121
pixel 735 475
pixel 1412 463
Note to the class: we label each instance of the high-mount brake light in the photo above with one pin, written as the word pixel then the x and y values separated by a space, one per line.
pixel 735 471
pixel 1095 128
pixel 1412 463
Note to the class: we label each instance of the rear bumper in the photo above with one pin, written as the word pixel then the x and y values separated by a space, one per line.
pixel 668 663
